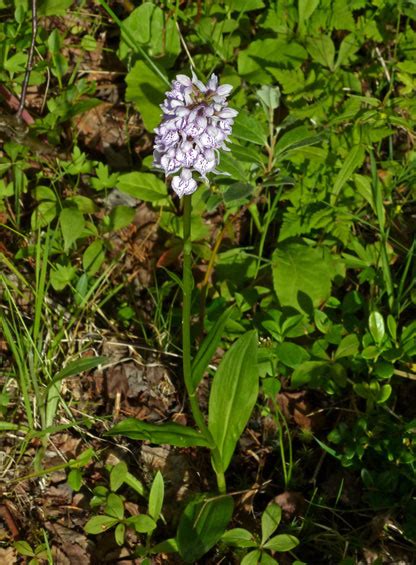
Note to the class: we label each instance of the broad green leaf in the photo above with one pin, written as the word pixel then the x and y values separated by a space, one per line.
pixel 61 276
pixel 291 354
pixel 267 559
pixel 316 373
pixel 89 43
pixel 305 10
pixel 238 193
pixel 376 325
pixel 120 217
pixel 290 80
pixel 233 395
pixel 146 90
pixel 143 186
pixel 269 96
pixel 119 533
pixel 270 521
pixel 84 204
pixel 143 524
pixel 75 479
pixel 209 346
pixel 252 558
pixel 23 548
pixel 118 475
pixel 72 225
pixel 201 525
pixel 140 23
pixel 166 433
pixel 43 215
pixel 363 186
pixel 301 275
pixel 247 153
pixel 246 127
pixel 115 506
pixel 294 139
pixel 373 391
pixel 263 55
pixel 384 394
pixel 353 160
pixel 392 326
pixel 157 493
pixel 232 168
pixel 282 542
pixel 384 370
pixel 135 484
pixel 370 352
pixel 54 41
pixel 16 63
pixel 153 29
pixel 348 347
pixel 93 257
pixel 8 189
pixel 235 265
pixel 99 524
pixel 349 46
pixel 238 537
pixel 322 50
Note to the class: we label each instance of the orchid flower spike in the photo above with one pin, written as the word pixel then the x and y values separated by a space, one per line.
pixel 196 124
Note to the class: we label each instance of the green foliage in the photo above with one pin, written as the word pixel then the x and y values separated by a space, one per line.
pixel 302 275
pixel 202 524
pixel 168 433
pixel 233 395
pixel 37 554
pixel 208 347
pixel 112 505
pixel 260 546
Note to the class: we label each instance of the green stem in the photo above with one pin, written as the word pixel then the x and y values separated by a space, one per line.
pixel 186 341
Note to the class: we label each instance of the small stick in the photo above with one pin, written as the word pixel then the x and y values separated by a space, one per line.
pixel 13 103
pixel 8 518
pixel 29 61
pixel 383 64
pixel 184 45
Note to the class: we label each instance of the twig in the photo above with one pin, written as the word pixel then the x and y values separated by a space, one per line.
pixel 383 64
pixel 184 45
pixel 13 103
pixel 29 61
pixel 9 519
pixel 405 374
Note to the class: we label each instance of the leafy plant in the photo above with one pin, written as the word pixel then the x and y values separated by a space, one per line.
pixel 260 548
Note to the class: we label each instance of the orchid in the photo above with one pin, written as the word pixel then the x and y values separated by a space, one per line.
pixel 196 125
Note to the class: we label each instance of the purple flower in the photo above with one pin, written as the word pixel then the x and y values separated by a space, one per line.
pixel 196 124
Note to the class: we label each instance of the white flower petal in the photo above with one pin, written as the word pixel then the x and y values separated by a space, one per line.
pixel 183 79
pixel 184 183
pixel 224 89
pixel 228 113
pixel 213 82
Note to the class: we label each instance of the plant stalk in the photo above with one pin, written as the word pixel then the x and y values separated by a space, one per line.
pixel 188 284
